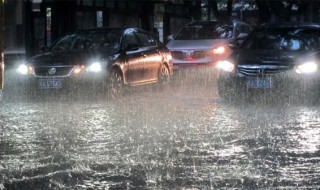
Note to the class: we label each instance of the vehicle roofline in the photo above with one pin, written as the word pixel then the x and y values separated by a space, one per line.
pixel 216 21
pixel 289 25
pixel 109 28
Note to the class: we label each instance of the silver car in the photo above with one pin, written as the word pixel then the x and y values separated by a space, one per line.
pixel 203 43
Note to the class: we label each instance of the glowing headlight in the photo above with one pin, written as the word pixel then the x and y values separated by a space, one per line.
pixel 77 69
pixel 219 50
pixel 308 67
pixel 225 65
pixel 95 67
pixel 23 69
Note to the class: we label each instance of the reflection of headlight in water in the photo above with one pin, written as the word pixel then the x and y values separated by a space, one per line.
pixel 95 67
pixel 308 67
pixel 23 69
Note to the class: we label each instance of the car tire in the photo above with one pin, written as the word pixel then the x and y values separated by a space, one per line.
pixel 115 84
pixel 164 76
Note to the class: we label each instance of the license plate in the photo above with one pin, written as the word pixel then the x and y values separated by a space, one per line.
pixel 186 66
pixel 50 83
pixel 259 83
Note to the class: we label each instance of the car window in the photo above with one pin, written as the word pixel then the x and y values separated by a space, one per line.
pixel 106 39
pixel 225 31
pixel 284 39
pixel 203 32
pixel 245 29
pixel 65 43
pixel 82 44
pixel 130 40
pixel 146 40
pixel 109 39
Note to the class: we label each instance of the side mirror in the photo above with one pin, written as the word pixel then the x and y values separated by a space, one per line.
pixel 232 46
pixel 170 37
pixel 242 36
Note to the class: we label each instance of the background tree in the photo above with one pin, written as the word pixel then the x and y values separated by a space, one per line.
pixel 287 10
pixel 229 9
pixel 218 14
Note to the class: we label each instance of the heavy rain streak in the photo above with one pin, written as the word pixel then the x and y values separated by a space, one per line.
pixel 181 137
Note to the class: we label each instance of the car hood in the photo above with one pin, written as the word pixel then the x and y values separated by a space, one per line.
pixel 65 58
pixel 194 44
pixel 266 57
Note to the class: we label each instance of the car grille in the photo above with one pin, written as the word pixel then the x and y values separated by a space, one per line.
pixel 261 70
pixel 186 55
pixel 59 71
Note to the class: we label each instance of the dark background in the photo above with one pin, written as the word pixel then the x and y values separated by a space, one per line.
pixel 33 24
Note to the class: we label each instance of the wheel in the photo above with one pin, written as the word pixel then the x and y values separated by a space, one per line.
pixel 115 84
pixel 164 75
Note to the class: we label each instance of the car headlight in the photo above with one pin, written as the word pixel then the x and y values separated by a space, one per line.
pixel 308 67
pixel 23 69
pixel 95 67
pixel 225 65
pixel 78 69
pixel 219 50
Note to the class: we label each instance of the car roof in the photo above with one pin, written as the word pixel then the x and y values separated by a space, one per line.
pixel 202 22
pixel 290 25
pixel 110 28
pixel 208 22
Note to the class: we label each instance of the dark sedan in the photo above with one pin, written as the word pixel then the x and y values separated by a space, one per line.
pixel 99 59
pixel 279 57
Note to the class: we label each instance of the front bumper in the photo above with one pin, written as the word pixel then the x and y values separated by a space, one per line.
pixel 92 82
pixel 286 82
pixel 187 66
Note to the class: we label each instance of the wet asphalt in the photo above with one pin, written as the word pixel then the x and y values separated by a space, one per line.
pixel 181 137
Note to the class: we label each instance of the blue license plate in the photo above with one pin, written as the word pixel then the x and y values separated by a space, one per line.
pixel 259 83
pixel 50 83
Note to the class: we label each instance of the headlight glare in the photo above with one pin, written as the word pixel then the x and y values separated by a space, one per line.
pixel 95 67
pixel 225 65
pixel 78 68
pixel 23 69
pixel 308 67
pixel 219 50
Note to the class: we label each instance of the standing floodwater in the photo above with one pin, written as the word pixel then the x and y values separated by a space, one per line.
pixel 182 137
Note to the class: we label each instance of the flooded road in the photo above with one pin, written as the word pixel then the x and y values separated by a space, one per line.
pixel 182 137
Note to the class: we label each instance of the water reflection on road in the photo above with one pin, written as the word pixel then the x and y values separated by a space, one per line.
pixel 182 137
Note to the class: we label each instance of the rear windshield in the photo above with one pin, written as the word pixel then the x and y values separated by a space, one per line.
pixel 204 32
pixel 292 39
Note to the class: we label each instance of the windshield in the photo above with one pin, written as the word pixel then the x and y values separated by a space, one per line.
pixel 204 32
pixel 108 39
pixel 292 39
